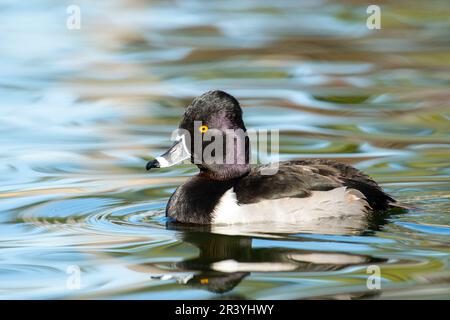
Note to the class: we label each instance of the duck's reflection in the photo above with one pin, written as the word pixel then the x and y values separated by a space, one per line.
pixel 224 260
pixel 214 249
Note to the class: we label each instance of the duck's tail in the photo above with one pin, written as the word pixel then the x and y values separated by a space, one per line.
pixel 403 206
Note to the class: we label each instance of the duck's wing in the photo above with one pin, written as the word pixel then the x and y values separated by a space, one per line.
pixel 299 178
pixel 355 179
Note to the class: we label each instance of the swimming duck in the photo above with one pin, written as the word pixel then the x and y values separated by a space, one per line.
pixel 235 192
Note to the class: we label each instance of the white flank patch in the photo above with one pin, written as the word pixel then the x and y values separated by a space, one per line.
pixel 339 203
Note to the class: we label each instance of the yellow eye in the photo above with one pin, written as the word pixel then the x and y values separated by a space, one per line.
pixel 203 129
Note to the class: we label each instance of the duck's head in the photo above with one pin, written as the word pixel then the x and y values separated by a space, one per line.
pixel 213 136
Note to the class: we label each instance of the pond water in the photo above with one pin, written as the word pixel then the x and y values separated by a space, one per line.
pixel 81 111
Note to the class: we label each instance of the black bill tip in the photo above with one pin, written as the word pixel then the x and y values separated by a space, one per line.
pixel 152 164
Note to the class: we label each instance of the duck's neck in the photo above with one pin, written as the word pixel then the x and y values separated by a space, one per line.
pixel 225 172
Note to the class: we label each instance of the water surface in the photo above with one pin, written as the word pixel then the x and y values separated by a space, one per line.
pixel 81 111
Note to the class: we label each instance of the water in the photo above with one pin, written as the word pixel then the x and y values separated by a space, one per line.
pixel 81 112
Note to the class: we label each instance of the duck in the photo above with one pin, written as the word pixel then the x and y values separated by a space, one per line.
pixel 239 192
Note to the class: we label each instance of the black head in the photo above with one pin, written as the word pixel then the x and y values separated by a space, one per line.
pixel 213 134
pixel 216 109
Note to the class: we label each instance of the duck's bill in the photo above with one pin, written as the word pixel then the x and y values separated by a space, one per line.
pixel 176 154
